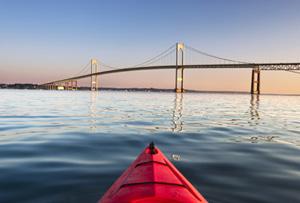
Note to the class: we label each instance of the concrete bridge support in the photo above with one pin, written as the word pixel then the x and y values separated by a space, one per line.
pixel 74 84
pixel 94 78
pixel 66 87
pixel 179 68
pixel 69 87
pixel 51 86
pixel 255 81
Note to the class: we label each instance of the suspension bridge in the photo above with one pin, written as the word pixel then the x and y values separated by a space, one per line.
pixel 178 57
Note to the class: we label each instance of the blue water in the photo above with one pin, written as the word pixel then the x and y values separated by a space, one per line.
pixel 70 146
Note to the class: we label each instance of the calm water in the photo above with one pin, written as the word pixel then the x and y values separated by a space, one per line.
pixel 71 146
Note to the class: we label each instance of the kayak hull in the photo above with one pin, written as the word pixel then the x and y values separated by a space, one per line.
pixel 152 178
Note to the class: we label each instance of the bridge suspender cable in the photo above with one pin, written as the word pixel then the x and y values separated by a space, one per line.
pixel 108 66
pixel 294 72
pixel 157 57
pixel 213 56
pixel 148 61
pixel 84 68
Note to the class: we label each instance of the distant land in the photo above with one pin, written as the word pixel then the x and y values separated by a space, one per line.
pixel 30 86
pixel 19 86
pixel 36 86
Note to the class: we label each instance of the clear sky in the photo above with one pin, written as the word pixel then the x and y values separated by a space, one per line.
pixel 52 39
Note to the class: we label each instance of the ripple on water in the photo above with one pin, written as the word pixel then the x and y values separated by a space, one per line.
pixel 233 148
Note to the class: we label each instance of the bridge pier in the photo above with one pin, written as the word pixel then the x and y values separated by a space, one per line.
pixel 255 81
pixel 179 68
pixel 66 85
pixel 74 84
pixel 69 85
pixel 94 78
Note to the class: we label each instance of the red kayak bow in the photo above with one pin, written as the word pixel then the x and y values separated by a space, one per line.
pixel 152 178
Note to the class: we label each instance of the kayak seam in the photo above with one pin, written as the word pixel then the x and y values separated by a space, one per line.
pixel 152 182
pixel 148 162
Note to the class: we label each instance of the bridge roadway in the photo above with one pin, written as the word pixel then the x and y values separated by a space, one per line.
pixel 262 66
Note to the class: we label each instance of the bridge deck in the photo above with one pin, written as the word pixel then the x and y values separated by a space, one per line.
pixel 262 66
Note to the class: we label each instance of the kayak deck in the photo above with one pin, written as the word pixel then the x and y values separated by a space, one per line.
pixel 152 178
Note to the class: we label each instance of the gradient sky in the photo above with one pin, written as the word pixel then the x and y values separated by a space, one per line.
pixel 48 40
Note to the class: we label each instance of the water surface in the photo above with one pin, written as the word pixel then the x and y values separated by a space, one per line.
pixel 70 146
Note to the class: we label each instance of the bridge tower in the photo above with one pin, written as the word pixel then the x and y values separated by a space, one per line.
pixel 179 68
pixel 255 81
pixel 94 78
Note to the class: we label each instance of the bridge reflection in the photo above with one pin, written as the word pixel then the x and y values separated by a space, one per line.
pixel 177 122
pixel 93 111
pixel 254 109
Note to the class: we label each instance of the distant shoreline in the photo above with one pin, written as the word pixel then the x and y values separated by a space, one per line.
pixel 28 86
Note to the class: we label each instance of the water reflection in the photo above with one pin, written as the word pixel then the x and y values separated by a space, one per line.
pixel 213 148
pixel 254 110
pixel 177 113
pixel 93 110
pixel 261 139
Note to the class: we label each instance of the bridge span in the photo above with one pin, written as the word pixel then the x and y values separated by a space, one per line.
pixel 179 67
